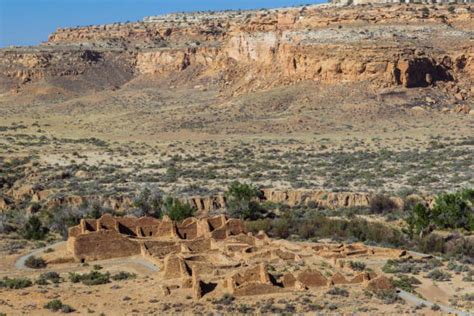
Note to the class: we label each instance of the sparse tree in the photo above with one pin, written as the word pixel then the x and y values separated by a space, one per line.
pixel 177 210
pixel 418 221
pixel 34 229
pixel 149 203
pixel 242 201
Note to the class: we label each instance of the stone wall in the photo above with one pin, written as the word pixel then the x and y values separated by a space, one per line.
pixel 114 237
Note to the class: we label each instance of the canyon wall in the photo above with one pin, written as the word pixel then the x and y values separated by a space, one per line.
pixel 383 45
pixel 204 205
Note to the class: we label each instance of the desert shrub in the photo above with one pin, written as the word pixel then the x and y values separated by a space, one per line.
pixel 357 265
pixel 456 245
pixel 406 283
pixel 338 291
pixel 432 263
pixel 453 245
pixel 34 229
pixel 314 225
pixel 242 201
pixel 435 307
pixel 453 266
pixel 60 219
pixel 52 276
pixel 439 275
pixel 418 221
pixel 96 210
pixel 381 204
pixel 468 297
pixel 122 275
pixel 74 277
pixel 388 296
pixel 92 278
pixel 281 228
pixel 97 267
pixel 259 225
pixel 451 211
pixel 401 266
pixel 41 281
pixel 467 195
pixel 35 262
pixel 56 305
pixel 226 299
pixel 149 203
pixel 177 210
pixel 15 283
pixel 454 210
pixel 5 226
pixel 425 12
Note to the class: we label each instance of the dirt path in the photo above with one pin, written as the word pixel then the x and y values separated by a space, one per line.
pixel 418 301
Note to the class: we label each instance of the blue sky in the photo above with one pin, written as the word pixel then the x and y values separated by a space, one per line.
pixel 28 22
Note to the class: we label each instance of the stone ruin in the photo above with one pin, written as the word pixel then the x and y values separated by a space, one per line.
pixel 215 255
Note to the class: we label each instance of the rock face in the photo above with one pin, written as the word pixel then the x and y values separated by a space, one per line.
pixel 204 205
pixel 318 198
pixel 384 45
pixel 212 256
pixel 312 198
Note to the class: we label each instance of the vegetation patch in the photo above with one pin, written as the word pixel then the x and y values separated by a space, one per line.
pixel 35 263
pixel 15 283
pixel 57 305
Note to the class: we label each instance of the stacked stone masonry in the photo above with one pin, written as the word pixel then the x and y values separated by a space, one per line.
pixel 215 255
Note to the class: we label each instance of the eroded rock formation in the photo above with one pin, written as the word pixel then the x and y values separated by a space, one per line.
pixel 385 45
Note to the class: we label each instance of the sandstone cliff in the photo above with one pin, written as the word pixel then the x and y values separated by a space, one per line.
pixel 384 45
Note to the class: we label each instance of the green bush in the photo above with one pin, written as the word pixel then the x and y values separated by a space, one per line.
pixel 93 278
pixel 338 292
pixel 357 265
pixel 439 275
pixel 401 266
pixel 149 203
pixel 122 275
pixel 34 229
pixel 388 296
pixel 18 283
pixel 56 305
pixel 48 277
pixel 242 201
pixel 454 210
pixel 451 211
pixel 259 225
pixel 381 204
pixel 406 283
pixel 314 225
pixel 177 210
pixel 35 263
pixel 418 221
pixel 52 276
pixel 226 299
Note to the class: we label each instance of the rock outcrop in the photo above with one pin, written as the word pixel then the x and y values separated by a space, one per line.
pixel 383 45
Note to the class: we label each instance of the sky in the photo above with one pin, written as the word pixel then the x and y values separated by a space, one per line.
pixel 29 22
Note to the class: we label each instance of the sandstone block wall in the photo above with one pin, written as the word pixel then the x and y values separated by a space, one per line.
pixel 113 237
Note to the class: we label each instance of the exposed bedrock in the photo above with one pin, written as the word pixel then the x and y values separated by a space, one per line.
pixel 384 45
pixel 204 204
